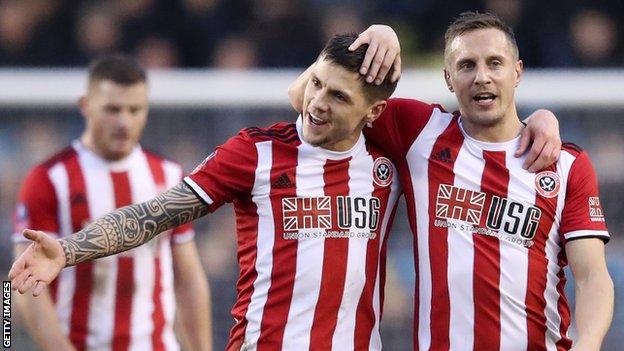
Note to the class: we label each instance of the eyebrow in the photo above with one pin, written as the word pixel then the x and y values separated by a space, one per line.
pixel 347 96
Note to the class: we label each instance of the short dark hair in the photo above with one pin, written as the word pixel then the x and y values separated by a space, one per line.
pixel 471 20
pixel 337 51
pixel 118 68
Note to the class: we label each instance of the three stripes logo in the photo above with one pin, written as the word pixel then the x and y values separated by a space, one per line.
pixel 443 155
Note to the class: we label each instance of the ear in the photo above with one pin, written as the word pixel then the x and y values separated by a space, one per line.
pixel 83 104
pixel 375 111
pixel 519 69
pixel 447 78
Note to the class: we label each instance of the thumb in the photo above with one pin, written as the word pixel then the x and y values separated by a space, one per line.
pixel 525 138
pixel 33 235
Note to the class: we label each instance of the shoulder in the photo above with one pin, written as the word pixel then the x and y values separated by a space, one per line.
pixel 571 148
pixel 61 156
pixel 281 132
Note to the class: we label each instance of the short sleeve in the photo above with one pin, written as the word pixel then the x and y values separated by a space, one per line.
pixel 582 215
pixel 399 125
pixel 37 205
pixel 228 173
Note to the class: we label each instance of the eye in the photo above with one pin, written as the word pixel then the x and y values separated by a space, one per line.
pixel 466 65
pixel 340 97
pixel 496 63
pixel 316 82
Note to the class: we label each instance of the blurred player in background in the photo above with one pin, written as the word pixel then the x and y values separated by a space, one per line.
pixel 492 238
pixel 126 301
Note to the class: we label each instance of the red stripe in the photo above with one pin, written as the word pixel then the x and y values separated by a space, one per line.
pixel 125 271
pixel 564 343
pixel 440 173
pixel 334 271
pixel 537 271
pixel 79 324
pixel 284 268
pixel 375 261
pixel 486 284
pixel 156 168
pixel 247 234
pixel 158 315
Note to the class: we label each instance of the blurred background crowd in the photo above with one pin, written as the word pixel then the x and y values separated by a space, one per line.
pixel 288 34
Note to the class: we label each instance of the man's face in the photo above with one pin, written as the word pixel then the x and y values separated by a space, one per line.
pixel 482 69
pixel 116 115
pixel 335 108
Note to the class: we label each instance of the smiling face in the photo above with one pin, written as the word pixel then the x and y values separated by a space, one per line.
pixel 116 115
pixel 335 108
pixel 483 70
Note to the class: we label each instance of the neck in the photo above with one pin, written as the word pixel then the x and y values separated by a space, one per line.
pixel 505 130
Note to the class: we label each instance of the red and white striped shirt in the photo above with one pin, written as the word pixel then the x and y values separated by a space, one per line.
pixel 490 236
pixel 312 226
pixel 120 302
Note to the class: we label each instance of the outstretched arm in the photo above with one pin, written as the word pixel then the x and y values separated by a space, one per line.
pixel 120 230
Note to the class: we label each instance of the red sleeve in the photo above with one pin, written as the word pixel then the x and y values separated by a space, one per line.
pixel 229 172
pixel 582 215
pixel 37 205
pixel 399 125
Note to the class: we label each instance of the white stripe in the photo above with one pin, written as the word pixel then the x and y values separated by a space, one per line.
pixel 375 341
pixel 586 233
pixel 142 188
pixel 360 185
pixel 264 244
pixel 167 295
pixel 417 157
pixel 467 168
pixel 67 278
pixel 100 199
pixel 514 263
pixel 198 189
pixel 309 258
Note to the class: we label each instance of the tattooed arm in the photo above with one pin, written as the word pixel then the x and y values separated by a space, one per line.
pixel 120 230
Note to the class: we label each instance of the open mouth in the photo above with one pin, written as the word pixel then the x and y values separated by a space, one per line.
pixel 484 98
pixel 315 120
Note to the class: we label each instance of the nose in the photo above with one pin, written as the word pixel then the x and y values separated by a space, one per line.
pixel 319 103
pixel 482 75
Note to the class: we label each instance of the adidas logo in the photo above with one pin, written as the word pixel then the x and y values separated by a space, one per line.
pixel 283 182
pixel 443 155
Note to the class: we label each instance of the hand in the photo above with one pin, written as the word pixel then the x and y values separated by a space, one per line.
pixel 542 129
pixel 40 263
pixel 384 51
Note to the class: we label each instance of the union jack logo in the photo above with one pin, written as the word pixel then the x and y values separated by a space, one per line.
pixel 306 213
pixel 460 204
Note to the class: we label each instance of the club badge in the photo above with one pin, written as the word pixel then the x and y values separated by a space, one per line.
pixel 547 184
pixel 383 171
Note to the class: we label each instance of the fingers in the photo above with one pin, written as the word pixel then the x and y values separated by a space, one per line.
pixel 385 66
pixel 373 72
pixel 28 284
pixel 361 40
pixel 38 289
pixel 536 149
pixel 33 235
pixel 17 268
pixel 396 73
pixel 20 280
pixel 525 139
pixel 371 53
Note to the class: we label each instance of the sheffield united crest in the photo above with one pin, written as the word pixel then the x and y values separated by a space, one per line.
pixel 383 171
pixel 547 184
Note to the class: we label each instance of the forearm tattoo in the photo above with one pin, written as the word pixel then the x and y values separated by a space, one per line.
pixel 133 225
